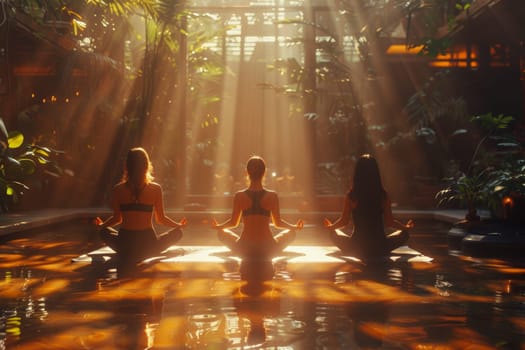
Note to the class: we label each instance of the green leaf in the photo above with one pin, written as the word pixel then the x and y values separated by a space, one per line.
pixel 28 166
pixel 42 160
pixel 13 171
pixel 42 151
pixel 10 161
pixel 3 130
pixel 508 144
pixel 15 139
pixel 18 186
pixel 54 170
pixel 459 132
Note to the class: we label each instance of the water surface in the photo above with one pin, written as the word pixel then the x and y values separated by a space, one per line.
pixel 456 302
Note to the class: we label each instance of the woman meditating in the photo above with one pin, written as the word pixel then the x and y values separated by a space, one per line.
pixel 135 201
pixel 257 206
pixel 368 207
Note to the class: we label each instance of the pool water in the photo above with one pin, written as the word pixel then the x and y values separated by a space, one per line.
pixel 455 302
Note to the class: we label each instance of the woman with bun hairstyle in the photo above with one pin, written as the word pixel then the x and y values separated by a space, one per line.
pixel 257 206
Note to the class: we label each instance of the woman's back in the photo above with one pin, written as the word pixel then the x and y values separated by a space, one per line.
pixel 368 231
pixel 368 219
pixel 256 207
pixel 136 206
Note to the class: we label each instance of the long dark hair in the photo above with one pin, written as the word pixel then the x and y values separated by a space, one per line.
pixel 367 187
pixel 138 170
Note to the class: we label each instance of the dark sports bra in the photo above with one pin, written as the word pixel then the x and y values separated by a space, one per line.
pixel 256 208
pixel 136 207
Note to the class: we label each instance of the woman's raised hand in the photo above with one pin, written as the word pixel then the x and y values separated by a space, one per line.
pixel 327 223
pixel 299 224
pixel 410 224
pixel 98 221
pixel 183 222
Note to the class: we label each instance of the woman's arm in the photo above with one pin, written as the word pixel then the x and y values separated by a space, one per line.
pixel 279 222
pixel 235 217
pixel 116 217
pixel 160 215
pixel 345 217
pixel 389 220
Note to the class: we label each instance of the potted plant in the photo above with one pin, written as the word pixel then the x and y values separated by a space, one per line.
pixel 506 191
pixel 493 180
pixel 467 191
pixel 475 186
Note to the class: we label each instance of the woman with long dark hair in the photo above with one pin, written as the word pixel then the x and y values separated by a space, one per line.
pixel 368 207
pixel 257 206
pixel 136 200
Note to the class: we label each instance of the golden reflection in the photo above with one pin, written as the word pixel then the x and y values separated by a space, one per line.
pixel 50 287
pixel 319 300
pixel 15 287
pixel 11 257
pixel 398 49
pixel 171 330
pixel 150 331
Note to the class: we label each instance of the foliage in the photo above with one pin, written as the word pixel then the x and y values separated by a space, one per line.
pixel 466 190
pixel 508 180
pixel 159 50
pixel 490 178
pixel 346 68
pixel 19 162
pixel 491 125
pixel 434 102
pixel 425 18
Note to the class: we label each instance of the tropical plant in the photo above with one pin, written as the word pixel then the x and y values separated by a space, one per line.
pixel 487 179
pixel 19 162
pixel 466 190
pixel 492 126
pixel 506 186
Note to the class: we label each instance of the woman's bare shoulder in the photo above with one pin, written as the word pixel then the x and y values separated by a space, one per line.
pixel 154 188
pixel 155 185
pixel 119 192
pixel 240 194
pixel 271 195
pixel 119 187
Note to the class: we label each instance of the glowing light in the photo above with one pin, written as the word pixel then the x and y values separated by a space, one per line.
pixel 507 202
pixel 458 57
pixel 397 49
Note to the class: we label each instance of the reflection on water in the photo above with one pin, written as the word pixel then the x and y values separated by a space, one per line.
pixel 46 302
pixel 253 316
pixel 442 285
pixel 24 311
